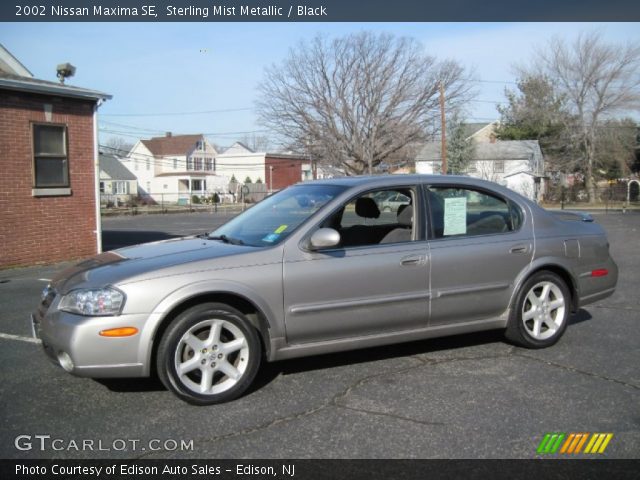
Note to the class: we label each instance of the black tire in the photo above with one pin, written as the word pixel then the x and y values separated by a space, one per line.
pixel 207 359
pixel 537 324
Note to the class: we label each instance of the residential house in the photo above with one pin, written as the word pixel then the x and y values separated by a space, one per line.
pixel 174 168
pixel 276 170
pixel 117 183
pixel 516 164
pixel 49 209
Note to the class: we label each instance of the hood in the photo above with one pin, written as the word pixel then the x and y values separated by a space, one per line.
pixel 142 261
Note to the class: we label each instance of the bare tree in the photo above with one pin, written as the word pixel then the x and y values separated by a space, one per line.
pixel 485 170
pixel 598 80
pixel 118 146
pixel 257 143
pixel 359 100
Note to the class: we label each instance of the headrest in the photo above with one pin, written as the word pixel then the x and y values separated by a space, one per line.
pixel 366 207
pixel 405 215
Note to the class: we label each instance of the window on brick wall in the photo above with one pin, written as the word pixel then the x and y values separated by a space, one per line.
pixel 50 161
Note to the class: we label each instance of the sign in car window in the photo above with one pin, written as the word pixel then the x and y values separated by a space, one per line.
pixel 455 216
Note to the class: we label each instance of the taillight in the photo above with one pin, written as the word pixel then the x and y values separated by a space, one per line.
pixel 601 272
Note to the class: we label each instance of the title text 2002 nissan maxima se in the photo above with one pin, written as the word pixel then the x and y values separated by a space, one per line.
pixel 319 268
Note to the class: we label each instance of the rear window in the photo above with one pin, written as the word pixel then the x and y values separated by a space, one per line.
pixel 462 211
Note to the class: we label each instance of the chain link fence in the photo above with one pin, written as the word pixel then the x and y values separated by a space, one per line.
pixel 164 203
pixel 615 195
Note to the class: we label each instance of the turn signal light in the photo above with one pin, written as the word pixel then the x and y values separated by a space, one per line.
pixel 601 272
pixel 119 332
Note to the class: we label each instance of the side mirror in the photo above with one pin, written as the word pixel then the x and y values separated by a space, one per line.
pixel 324 238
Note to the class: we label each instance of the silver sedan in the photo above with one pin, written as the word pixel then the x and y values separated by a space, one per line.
pixel 321 267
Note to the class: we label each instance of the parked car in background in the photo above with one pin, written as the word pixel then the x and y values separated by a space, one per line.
pixel 319 268
pixel 390 201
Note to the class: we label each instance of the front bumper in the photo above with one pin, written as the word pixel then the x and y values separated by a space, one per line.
pixel 74 342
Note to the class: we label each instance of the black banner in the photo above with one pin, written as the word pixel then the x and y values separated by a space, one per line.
pixel 319 469
pixel 317 10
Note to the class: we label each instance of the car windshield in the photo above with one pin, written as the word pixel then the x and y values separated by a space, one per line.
pixel 277 216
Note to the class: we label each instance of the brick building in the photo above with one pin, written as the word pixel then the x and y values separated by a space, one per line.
pixel 282 170
pixel 48 181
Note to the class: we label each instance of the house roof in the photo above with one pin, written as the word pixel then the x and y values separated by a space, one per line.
pixel 111 165
pixel 508 150
pixel 9 81
pixel 15 76
pixel 470 128
pixel 500 150
pixel 10 64
pixel 172 145
pixel 240 145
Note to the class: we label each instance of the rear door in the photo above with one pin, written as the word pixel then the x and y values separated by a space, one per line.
pixel 479 243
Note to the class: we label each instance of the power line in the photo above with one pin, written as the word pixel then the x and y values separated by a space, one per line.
pixel 166 114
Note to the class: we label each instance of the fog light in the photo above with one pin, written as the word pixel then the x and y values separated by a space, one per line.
pixel 65 361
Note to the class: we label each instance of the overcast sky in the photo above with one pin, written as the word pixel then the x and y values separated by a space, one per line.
pixel 161 73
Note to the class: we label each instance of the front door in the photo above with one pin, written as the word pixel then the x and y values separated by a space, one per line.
pixel 375 281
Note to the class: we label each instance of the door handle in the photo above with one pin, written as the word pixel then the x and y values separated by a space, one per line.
pixel 413 260
pixel 519 249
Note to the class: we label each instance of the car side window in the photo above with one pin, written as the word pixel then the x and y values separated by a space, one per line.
pixel 375 217
pixel 461 211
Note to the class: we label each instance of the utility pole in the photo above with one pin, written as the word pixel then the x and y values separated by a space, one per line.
pixel 443 147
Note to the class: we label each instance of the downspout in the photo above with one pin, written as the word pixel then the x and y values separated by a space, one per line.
pixel 96 167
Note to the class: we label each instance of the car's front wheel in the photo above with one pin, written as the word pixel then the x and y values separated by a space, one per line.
pixel 209 354
pixel 541 311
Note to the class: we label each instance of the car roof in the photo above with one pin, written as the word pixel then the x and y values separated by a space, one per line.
pixel 403 179
pixel 390 180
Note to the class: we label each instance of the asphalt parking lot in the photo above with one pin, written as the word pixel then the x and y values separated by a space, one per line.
pixel 470 396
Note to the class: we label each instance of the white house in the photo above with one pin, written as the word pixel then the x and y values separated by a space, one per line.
pixel 240 161
pixel 276 170
pixel 516 164
pixel 175 167
pixel 117 183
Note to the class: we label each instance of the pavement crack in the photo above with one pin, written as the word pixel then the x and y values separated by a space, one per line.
pixel 257 428
pixel 618 307
pixel 390 415
pixel 577 370
pixel 435 361
pixel 333 401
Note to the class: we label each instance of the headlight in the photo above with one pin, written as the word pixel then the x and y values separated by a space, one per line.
pixel 96 302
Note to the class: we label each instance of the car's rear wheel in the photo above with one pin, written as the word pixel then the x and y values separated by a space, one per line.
pixel 209 354
pixel 541 311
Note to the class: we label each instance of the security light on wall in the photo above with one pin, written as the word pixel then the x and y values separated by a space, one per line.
pixel 65 70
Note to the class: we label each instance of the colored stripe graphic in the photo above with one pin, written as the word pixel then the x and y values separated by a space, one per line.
pixel 572 443
pixel 550 443
pixel 598 443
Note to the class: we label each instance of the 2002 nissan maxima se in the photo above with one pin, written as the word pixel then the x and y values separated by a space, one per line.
pixel 320 267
